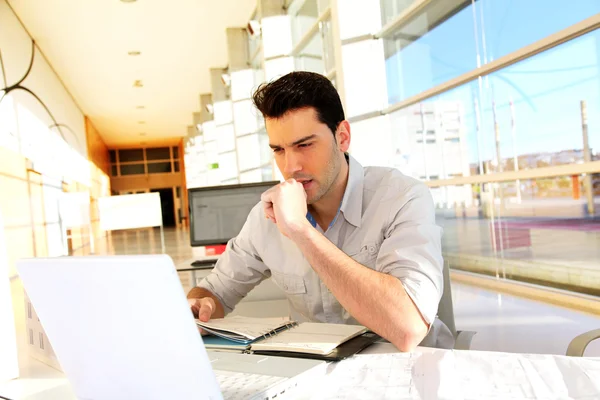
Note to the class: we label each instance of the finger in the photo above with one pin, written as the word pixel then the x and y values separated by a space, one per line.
pixel 206 310
pixel 202 331
pixel 270 213
pixel 195 311
pixel 194 306
pixel 268 206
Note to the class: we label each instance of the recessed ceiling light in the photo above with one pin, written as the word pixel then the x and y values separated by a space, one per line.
pixel 141 122
pixel 140 107
pixel 128 1
pixel 138 83
pixel 143 134
pixel 134 53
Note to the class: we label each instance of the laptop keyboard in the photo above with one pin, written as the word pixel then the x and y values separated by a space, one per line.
pixel 242 386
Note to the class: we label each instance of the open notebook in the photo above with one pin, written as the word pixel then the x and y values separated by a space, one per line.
pixel 279 336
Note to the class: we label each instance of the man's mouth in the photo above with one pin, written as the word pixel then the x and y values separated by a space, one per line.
pixel 305 182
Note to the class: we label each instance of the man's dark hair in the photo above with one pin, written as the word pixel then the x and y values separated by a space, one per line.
pixel 298 90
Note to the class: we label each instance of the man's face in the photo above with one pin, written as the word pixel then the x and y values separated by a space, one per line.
pixel 306 151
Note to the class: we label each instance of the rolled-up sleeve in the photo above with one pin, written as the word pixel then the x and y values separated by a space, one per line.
pixel 411 250
pixel 238 270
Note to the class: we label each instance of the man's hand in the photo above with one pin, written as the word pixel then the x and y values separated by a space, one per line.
pixel 285 204
pixel 203 309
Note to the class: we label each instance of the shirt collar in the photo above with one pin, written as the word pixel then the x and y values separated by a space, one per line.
pixel 351 206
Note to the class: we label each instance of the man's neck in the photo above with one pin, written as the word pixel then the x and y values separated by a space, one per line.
pixel 325 210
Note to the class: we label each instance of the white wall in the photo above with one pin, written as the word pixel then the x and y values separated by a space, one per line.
pixel 26 126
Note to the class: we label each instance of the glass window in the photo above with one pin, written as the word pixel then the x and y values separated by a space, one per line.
pixel 113 169
pixel 131 155
pixel 444 40
pixel 159 168
pixel 132 169
pixel 528 115
pixel 328 48
pixel 158 153
pixel 519 222
pixel 176 166
pixel 391 8
pixel 113 156
pixel 310 57
pixel 175 152
pixel 304 19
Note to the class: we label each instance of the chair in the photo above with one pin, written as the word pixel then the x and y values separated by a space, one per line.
pixel 577 346
pixel 446 314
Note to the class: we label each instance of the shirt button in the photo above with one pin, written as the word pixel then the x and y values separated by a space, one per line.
pixel 372 249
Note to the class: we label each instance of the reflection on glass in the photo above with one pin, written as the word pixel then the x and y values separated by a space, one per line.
pixel 449 38
pixel 534 230
pixel 528 115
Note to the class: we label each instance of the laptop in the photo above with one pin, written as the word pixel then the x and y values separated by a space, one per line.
pixel 121 328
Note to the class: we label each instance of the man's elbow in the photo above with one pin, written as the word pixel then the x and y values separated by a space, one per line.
pixel 411 338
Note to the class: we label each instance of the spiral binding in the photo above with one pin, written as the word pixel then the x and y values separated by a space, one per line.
pixel 270 334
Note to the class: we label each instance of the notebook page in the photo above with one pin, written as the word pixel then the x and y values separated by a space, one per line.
pixel 250 328
pixel 309 337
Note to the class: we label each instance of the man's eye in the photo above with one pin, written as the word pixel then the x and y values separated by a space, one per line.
pixel 277 150
pixel 303 145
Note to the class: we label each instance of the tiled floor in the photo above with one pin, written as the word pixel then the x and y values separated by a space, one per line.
pixel 502 322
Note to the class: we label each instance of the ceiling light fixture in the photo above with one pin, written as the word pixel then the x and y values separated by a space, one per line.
pixel 140 107
pixel 128 1
pixel 134 53
pixel 138 83
pixel 141 122
pixel 143 134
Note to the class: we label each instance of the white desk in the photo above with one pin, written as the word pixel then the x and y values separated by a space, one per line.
pixel 380 372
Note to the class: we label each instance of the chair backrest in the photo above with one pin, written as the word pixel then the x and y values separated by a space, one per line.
pixel 445 308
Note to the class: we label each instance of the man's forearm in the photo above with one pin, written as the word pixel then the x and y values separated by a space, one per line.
pixel 198 293
pixel 376 300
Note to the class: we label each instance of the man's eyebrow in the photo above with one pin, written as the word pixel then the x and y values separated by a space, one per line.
pixel 297 142
pixel 304 139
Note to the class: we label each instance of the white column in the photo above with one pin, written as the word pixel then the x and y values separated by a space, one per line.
pixel 361 78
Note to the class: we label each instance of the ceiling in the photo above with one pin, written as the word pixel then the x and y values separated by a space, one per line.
pixel 87 43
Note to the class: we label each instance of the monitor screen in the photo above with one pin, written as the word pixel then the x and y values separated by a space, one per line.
pixel 218 213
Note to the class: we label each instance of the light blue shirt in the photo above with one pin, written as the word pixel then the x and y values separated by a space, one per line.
pixel 386 222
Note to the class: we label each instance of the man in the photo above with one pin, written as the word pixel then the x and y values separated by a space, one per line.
pixel 347 244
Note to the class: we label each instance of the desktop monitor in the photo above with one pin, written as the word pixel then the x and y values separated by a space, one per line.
pixel 217 213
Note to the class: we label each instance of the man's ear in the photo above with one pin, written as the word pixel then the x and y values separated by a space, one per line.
pixel 342 136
